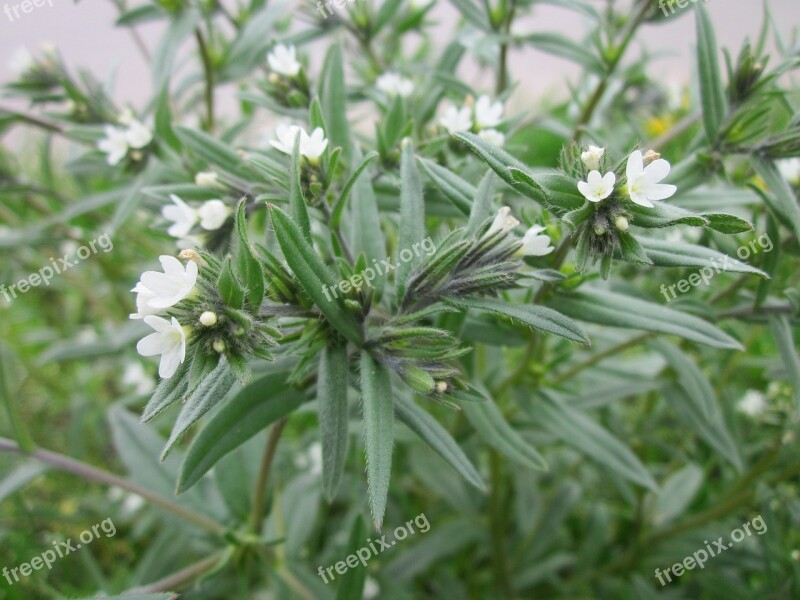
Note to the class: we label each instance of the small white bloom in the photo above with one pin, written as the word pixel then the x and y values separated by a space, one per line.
pixel 114 145
pixel 371 589
pixel 169 340
pixel 314 145
pixel 457 119
pixel 488 114
pixel 182 215
pixel 393 84
pixel 21 61
pixel 283 60
pixel 591 158
pixel 643 182
pixel 138 135
pixel 752 404
pixel 790 169
pixel 503 222
pixel 286 135
pixel 494 137
pixel 535 244
pixel 597 187
pixel 132 503
pixel 158 291
pixel 213 214
pixel 137 377
pixel 206 178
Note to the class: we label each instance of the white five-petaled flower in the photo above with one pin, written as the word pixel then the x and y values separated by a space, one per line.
pixel 114 145
pixel 487 114
pixel 21 61
pixel 138 135
pixel 457 119
pixel 535 244
pixel 169 340
pixel 752 404
pixel 643 182
pixel 182 215
pixel 494 137
pixel 311 146
pixel 159 291
pixel 592 157
pixel 394 84
pixel 503 222
pixel 213 214
pixel 597 187
pixel 283 60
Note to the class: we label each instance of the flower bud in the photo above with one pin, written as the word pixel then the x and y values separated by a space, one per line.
pixel 621 223
pixel 189 254
pixel 650 156
pixel 592 157
pixel 208 318
pixel 219 346
pixel 206 178
pixel 600 229
pixel 441 387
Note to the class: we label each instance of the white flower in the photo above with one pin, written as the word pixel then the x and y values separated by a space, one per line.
pixel 643 182
pixel 137 377
pixel 492 136
pixel 371 589
pixel 790 169
pixel 206 178
pixel 132 503
pixel 599 187
pixel 182 215
pixel 114 145
pixel 138 135
pixel 488 114
pixel 283 60
pixel 158 291
pixel 752 404
pixel 457 119
pixel 591 158
pixel 169 340
pixel 393 84
pixel 314 145
pixel 21 61
pixel 286 135
pixel 534 244
pixel 503 222
pixel 213 214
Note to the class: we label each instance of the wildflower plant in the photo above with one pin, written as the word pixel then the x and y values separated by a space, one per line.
pixel 522 381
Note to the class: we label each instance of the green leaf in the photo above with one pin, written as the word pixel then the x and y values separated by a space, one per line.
pixel 167 392
pixel 245 264
pixel 676 494
pixel 482 205
pixel 139 15
pixel 728 224
pixel 712 91
pixel 312 274
pixel 678 254
pixel 538 317
pixel 206 396
pixel 341 201
pixel 19 477
pixel 297 203
pixel 664 215
pixel 163 61
pixel 782 200
pixel 618 310
pixel 631 250
pixel 351 584
pixel 559 45
pixel 135 596
pixel 412 214
pixel 229 289
pixel 437 437
pixel 782 330
pixel 251 410
pixel 332 405
pixel 213 151
pixel 333 95
pixel 376 397
pixel 455 189
pixel 583 433
pixel 492 426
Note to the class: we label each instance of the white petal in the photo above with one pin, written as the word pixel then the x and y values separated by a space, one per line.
pixel 609 179
pixel 641 200
pixel 635 165
pixel 660 191
pixel 656 171
pixel 152 345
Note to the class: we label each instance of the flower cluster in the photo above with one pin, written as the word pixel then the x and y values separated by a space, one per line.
pixel 482 118
pixel 212 215
pixel 118 141
pixel 393 84
pixel 311 146
pixel 287 83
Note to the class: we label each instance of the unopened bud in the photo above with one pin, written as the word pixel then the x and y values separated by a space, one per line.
pixel 192 255
pixel 621 223
pixel 441 387
pixel 219 346
pixel 600 229
pixel 650 156
pixel 238 330
pixel 208 318
pixel 592 157
pixel 136 155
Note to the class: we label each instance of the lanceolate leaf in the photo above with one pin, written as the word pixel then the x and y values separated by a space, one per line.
pixel 712 92
pixel 538 317
pixel 250 411
pixel 482 205
pixel 489 422
pixel 376 398
pixel 167 391
pixel 618 310
pixel 333 97
pixel 580 431
pixel 313 275
pixel 782 330
pixel 332 406
pixel 352 582
pixel 213 151
pixel 297 203
pixel 782 199
pixel 677 254
pixel 365 224
pixel 429 429
pixel 458 191
pixel 412 213
pixel 341 201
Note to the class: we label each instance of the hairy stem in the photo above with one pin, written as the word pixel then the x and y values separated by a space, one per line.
pixel 208 73
pixel 182 577
pixel 257 511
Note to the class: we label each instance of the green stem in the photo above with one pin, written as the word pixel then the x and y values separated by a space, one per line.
pixel 90 473
pixel 182 577
pixel 599 357
pixel 257 510
pixel 497 516
pixel 502 66
pixel 208 72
